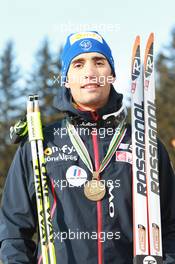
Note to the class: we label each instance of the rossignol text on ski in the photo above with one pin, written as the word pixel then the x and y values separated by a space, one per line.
pixel 146 197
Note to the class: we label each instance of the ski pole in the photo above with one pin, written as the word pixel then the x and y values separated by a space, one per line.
pixel 40 179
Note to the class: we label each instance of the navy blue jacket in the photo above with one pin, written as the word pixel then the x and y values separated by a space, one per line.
pixel 75 218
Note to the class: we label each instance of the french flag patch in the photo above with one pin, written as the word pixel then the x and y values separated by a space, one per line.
pixel 124 156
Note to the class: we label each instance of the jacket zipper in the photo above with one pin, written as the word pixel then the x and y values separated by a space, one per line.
pixel 99 203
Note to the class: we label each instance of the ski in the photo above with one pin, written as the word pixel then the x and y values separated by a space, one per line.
pixel 152 151
pixel 147 247
pixel 140 221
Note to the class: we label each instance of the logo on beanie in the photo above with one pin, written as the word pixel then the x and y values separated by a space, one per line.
pixel 92 35
pixel 85 45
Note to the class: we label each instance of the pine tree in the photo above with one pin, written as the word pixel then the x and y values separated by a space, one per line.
pixel 166 95
pixel 10 91
pixel 10 105
pixel 45 80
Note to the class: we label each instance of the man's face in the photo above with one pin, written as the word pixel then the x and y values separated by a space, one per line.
pixel 89 79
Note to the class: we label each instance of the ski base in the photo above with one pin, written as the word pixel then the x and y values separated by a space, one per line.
pixel 147 259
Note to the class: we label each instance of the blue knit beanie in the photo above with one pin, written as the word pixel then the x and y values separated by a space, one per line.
pixel 84 42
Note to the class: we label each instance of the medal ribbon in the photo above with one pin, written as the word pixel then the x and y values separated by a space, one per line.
pixel 83 152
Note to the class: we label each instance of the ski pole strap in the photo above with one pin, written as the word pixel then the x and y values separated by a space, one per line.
pixel 18 131
pixel 34 120
pixel 83 152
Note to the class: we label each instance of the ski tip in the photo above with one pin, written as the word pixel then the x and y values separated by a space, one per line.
pixel 135 47
pixel 149 47
pixel 150 40
pixel 151 37
pixel 137 40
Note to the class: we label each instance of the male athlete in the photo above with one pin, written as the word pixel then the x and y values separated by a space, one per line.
pixel 91 224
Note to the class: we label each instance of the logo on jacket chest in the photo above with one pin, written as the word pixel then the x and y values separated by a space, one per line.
pixel 60 153
pixel 111 200
pixel 124 153
pixel 76 176
pixel 124 156
pixel 112 186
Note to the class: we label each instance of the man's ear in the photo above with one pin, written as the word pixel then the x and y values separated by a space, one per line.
pixel 113 78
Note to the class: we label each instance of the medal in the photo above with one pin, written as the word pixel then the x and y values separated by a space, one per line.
pixel 95 189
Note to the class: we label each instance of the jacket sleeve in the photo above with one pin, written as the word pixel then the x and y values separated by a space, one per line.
pixel 17 216
pixel 167 197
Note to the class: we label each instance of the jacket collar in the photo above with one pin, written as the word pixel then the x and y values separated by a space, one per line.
pixel 63 102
